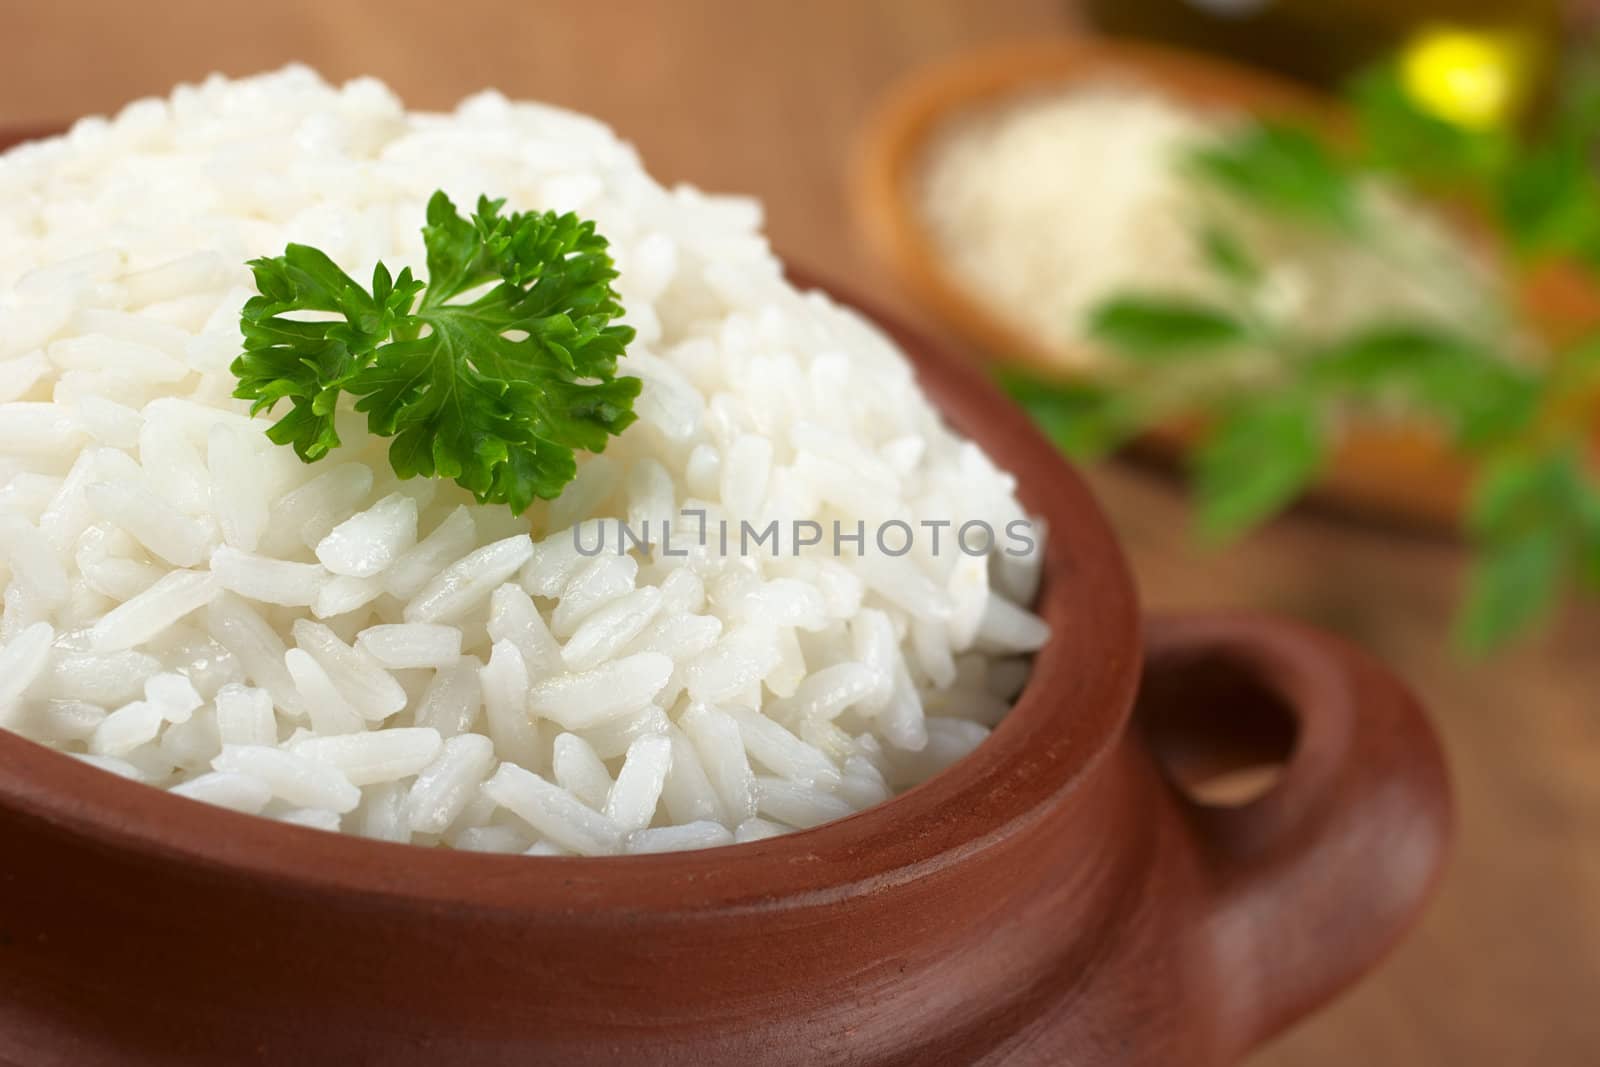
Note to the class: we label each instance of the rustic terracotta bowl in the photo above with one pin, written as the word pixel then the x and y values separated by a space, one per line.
pixel 1050 899
pixel 1398 470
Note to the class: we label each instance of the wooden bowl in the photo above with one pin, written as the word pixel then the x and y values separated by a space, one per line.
pixel 1049 899
pixel 1404 471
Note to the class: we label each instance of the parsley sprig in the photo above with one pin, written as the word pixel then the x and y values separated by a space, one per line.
pixel 492 373
pixel 1271 398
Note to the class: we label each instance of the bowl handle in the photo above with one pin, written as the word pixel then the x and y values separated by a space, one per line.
pixel 1314 881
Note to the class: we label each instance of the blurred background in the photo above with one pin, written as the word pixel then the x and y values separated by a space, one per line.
pixel 782 101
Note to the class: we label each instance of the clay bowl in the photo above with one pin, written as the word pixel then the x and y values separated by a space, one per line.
pixel 1394 470
pixel 1053 898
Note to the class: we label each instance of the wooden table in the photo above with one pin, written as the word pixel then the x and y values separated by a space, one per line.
pixel 766 98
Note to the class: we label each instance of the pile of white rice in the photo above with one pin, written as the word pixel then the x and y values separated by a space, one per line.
pixel 192 607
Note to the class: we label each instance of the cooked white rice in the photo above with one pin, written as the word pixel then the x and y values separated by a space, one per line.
pixel 190 606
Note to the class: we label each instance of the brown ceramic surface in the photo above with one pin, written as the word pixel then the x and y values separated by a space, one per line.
pixel 1399 470
pixel 1051 899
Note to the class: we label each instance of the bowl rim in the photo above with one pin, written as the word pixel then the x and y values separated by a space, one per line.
pixel 1070 713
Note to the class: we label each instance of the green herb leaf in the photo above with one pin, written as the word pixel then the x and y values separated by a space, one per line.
pixel 1397 135
pixel 1589 537
pixel 1456 379
pixel 1548 205
pixel 1378 354
pixel 1285 170
pixel 1511 585
pixel 1517 493
pixel 495 391
pixel 1548 193
pixel 1227 255
pixel 1535 519
pixel 1259 457
pixel 307 361
pixel 1145 328
pixel 1083 419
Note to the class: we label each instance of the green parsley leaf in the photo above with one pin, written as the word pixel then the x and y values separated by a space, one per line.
pixel 1381 352
pixel 1285 170
pixel 1399 136
pixel 1085 420
pixel 1549 203
pixel 1145 328
pixel 1456 379
pixel 1510 586
pixel 493 373
pixel 1517 493
pixel 1227 255
pixel 1547 192
pixel 1589 537
pixel 1533 517
pixel 1261 454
